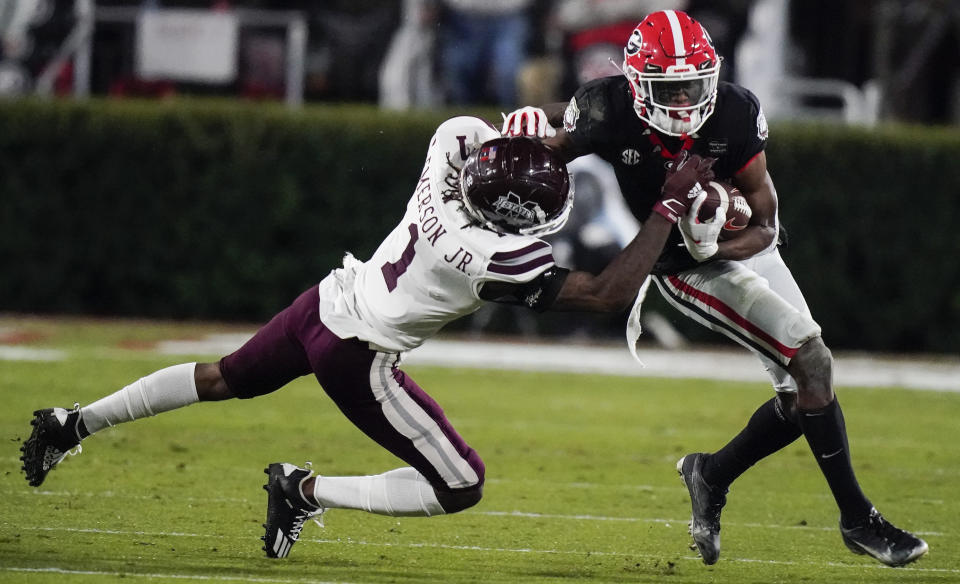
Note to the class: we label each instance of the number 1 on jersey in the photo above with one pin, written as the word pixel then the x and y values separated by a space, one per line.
pixel 393 270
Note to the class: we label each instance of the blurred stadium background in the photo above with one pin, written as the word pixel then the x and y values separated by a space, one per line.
pixel 854 60
pixel 191 166
pixel 863 97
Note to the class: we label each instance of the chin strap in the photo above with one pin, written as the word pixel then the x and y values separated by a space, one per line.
pixel 658 145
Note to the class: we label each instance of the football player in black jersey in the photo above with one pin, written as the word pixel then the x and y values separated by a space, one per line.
pixel 670 100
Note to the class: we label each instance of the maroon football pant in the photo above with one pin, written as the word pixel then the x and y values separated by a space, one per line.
pixel 367 385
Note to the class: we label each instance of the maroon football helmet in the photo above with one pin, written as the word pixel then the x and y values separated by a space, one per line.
pixel 518 186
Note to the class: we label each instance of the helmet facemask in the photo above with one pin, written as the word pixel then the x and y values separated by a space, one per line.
pixel 673 72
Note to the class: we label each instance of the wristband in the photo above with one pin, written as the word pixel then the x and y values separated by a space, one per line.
pixel 672 209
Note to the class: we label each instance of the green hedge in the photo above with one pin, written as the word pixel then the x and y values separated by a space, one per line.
pixel 226 210
pixel 210 210
pixel 874 241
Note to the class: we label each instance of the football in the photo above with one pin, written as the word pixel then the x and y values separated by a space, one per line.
pixel 721 194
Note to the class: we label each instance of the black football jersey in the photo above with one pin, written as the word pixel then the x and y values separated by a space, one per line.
pixel 600 119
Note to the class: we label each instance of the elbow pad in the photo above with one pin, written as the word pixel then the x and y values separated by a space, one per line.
pixel 537 294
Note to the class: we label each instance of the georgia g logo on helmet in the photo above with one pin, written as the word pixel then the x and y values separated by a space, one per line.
pixel 635 42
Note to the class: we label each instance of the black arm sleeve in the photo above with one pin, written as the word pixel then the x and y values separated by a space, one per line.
pixel 537 294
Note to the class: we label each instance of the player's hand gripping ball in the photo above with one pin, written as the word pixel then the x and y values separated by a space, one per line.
pixel 727 196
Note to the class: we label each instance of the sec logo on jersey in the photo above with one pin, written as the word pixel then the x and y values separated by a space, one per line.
pixel 630 157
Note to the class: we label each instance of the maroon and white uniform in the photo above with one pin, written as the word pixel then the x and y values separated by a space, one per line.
pixel 429 270
pixel 349 330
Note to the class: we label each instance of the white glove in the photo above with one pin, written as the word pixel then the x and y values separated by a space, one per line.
pixel 527 121
pixel 701 237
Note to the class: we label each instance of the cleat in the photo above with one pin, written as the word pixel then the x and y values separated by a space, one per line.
pixel 882 540
pixel 706 503
pixel 55 435
pixel 287 509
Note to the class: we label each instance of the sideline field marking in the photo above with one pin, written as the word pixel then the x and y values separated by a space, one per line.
pixel 245 501
pixel 18 353
pixel 937 373
pixel 516 514
pixel 429 545
pixel 118 495
pixel 729 364
pixel 664 522
pixel 170 576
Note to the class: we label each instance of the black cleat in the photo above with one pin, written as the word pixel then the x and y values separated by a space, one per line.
pixel 55 434
pixel 706 503
pixel 876 537
pixel 286 508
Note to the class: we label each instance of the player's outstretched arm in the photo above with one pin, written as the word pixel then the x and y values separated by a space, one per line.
pixel 545 123
pixel 534 121
pixel 617 285
pixel 555 112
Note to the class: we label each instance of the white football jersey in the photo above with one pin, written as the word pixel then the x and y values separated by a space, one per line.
pixel 429 270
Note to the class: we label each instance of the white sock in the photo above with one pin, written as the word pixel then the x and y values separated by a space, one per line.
pixel 161 391
pixel 399 492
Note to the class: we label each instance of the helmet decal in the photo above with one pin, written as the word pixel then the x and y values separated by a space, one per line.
pixel 488 154
pixel 509 206
pixel 675 36
pixel 636 40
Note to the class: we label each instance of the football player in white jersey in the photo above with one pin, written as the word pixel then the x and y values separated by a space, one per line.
pixel 470 234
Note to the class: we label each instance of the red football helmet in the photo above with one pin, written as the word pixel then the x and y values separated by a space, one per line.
pixel 673 71
pixel 518 186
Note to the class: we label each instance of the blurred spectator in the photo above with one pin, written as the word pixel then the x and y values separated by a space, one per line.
pixel 590 36
pixel 348 42
pixel 906 48
pixel 482 45
pixel 261 64
pixel 407 74
pixel 600 225
pixel 762 59
pixel 727 22
pixel 585 39
pixel 31 32
pixel 15 45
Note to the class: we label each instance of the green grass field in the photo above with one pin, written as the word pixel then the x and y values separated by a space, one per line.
pixel 581 485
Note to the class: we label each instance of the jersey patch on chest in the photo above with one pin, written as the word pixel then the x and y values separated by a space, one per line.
pixel 631 157
pixel 717 148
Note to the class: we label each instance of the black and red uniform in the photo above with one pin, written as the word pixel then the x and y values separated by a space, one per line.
pixel 601 119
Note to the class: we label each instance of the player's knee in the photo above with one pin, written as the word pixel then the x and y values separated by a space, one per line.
pixel 812 367
pixel 210 383
pixel 460 499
